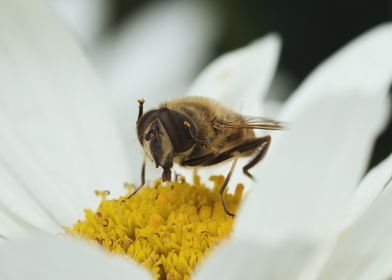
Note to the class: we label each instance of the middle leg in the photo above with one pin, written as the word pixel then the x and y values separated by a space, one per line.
pixel 224 186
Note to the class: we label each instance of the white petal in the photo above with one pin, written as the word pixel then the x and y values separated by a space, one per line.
pixel 310 170
pixel 371 188
pixel 17 199
pixel 363 66
pixel 156 51
pixel 55 199
pixel 247 260
pixel 62 258
pixel 240 79
pixel 304 184
pixel 12 226
pixel 85 17
pixel 51 98
pixel 365 250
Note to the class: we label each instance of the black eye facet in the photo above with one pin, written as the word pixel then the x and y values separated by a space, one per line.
pixel 178 132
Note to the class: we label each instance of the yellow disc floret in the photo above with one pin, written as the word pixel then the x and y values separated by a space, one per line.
pixel 168 228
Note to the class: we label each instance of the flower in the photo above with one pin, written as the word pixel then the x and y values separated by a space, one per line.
pixel 291 223
pixel 167 228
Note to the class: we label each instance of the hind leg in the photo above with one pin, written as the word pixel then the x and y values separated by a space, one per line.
pixel 265 143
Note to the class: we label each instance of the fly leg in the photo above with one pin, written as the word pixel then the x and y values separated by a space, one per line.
pixel 224 186
pixel 143 179
pixel 235 152
pixel 265 142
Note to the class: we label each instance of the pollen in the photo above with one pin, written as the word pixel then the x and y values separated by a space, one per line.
pixel 167 227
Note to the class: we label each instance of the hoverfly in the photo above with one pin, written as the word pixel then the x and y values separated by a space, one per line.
pixel 198 131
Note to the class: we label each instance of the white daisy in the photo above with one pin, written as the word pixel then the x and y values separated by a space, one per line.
pixel 59 142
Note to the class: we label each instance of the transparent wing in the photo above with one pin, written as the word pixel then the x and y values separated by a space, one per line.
pixel 250 123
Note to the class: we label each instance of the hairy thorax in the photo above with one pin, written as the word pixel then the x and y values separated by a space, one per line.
pixel 206 114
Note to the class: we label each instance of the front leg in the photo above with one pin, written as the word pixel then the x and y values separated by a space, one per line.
pixel 143 179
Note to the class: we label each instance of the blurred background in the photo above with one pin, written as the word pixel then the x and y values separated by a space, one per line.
pixel 156 48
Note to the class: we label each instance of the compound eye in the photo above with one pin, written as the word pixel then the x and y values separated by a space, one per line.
pixel 153 130
pixel 178 132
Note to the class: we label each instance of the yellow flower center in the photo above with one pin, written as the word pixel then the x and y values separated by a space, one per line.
pixel 168 228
